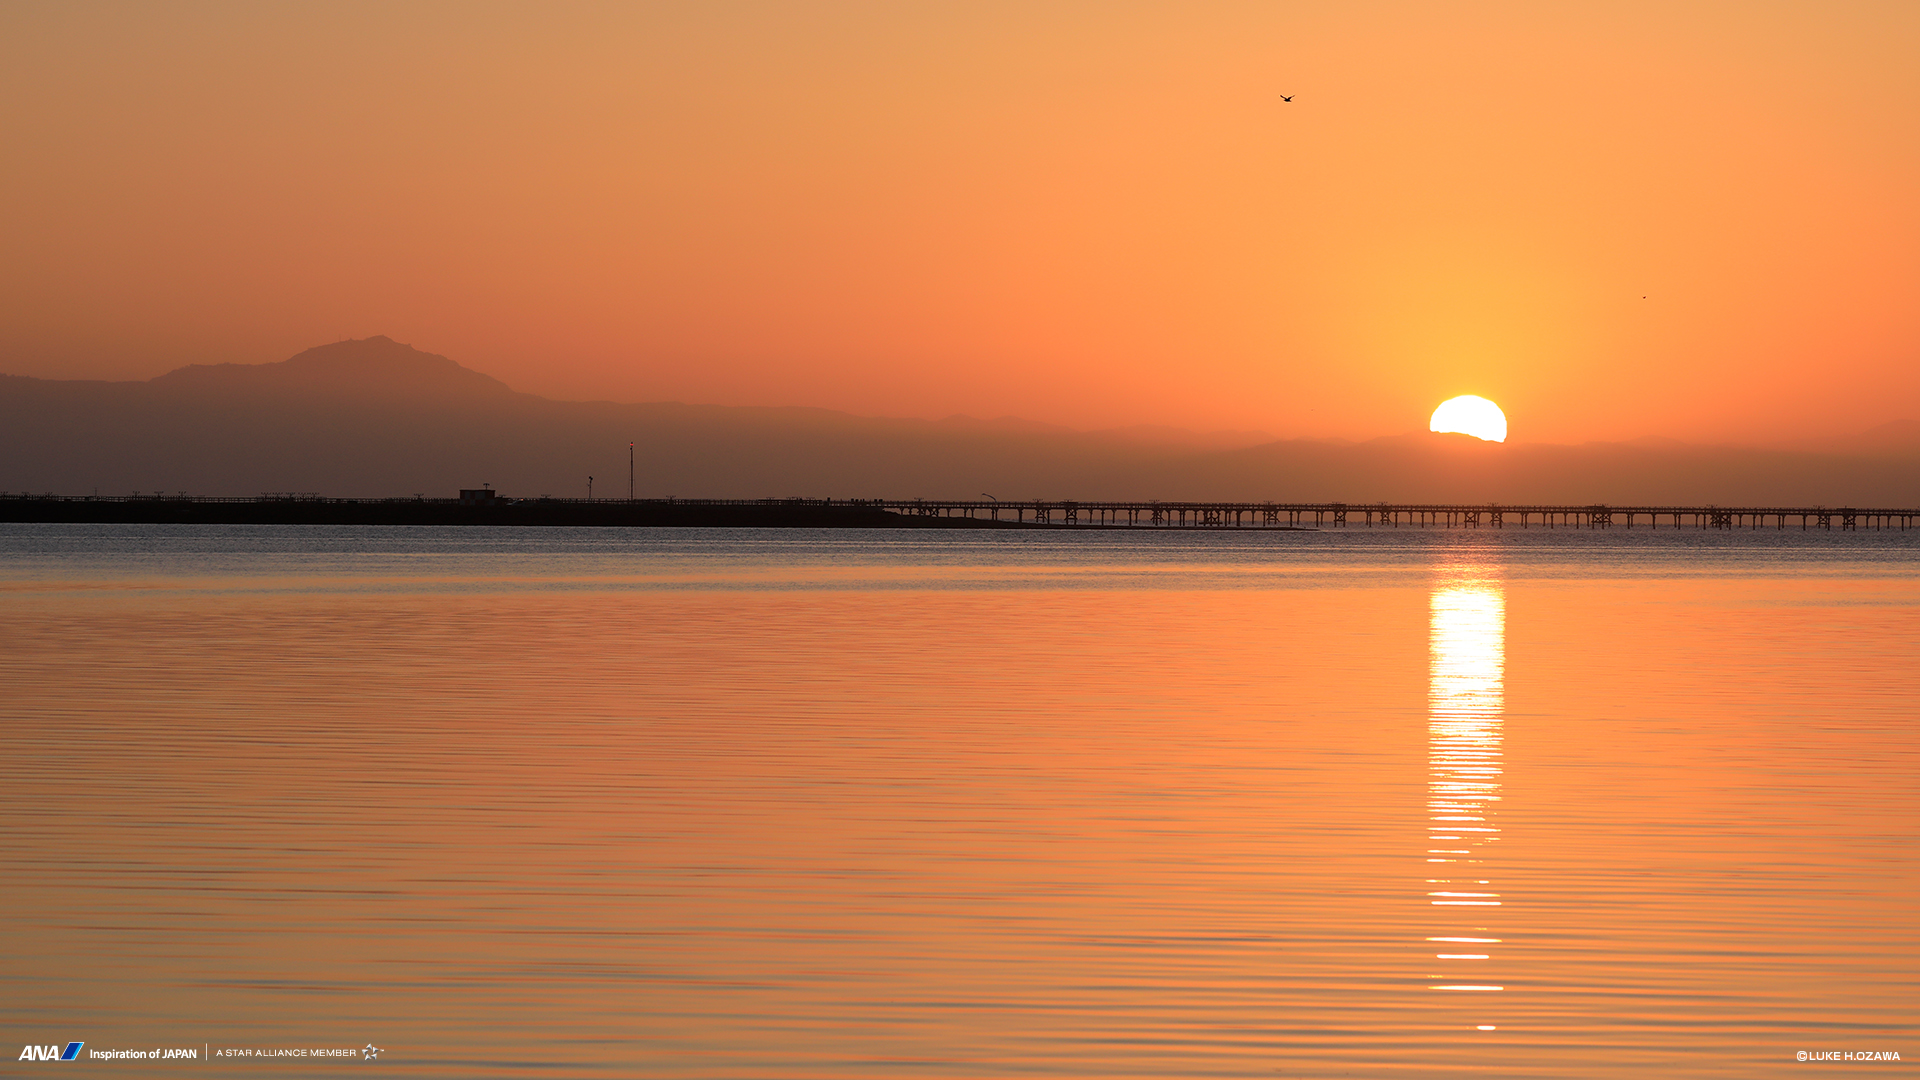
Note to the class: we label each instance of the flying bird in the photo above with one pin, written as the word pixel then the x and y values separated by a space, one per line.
pixel 1286 97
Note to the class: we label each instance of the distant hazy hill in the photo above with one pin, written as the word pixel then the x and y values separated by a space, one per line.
pixel 375 417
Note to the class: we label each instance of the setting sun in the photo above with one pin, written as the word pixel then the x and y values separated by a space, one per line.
pixel 1472 415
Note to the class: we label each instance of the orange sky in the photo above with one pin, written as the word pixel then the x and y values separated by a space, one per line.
pixel 1092 214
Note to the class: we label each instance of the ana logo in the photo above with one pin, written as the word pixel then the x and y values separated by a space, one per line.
pixel 51 1052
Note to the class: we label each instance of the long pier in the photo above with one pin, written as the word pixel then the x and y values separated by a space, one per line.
pixel 489 507
pixel 1235 515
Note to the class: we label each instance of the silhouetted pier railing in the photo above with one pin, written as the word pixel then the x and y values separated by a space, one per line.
pixel 1235 515
pixel 1148 514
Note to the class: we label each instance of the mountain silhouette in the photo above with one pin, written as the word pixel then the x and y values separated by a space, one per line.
pixel 370 370
pixel 374 417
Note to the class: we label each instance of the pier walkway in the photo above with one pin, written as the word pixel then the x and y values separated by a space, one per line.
pixel 1408 515
pixel 1235 515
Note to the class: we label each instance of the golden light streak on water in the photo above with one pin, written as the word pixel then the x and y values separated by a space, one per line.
pixel 1465 705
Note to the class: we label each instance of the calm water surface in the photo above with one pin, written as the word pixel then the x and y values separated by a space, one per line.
pixel 683 803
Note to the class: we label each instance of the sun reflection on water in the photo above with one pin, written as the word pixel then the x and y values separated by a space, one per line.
pixel 1465 702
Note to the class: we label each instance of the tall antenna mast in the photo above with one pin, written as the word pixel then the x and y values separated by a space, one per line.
pixel 629 472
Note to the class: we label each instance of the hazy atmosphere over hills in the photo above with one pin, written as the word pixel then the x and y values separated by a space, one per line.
pixel 373 417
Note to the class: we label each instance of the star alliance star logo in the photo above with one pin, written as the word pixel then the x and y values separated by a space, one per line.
pixel 371 1053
